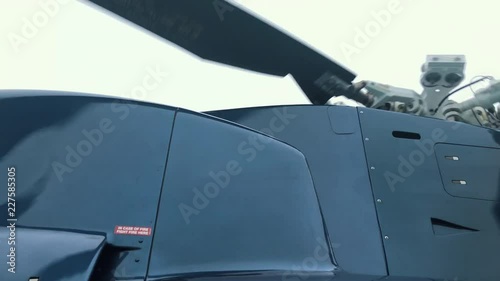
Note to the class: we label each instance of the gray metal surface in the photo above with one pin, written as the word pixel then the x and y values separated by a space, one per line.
pixel 330 138
pixel 470 171
pixel 428 232
pixel 230 206
pixel 49 255
pixel 85 164
pixel 84 169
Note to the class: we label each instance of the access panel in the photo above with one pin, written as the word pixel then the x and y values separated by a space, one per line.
pixel 82 164
pixel 469 171
pixel 428 231
pixel 235 200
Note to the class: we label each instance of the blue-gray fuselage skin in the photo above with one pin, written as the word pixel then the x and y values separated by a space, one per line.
pixel 289 193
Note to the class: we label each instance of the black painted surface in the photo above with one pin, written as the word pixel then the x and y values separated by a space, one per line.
pixel 469 171
pixel 83 164
pixel 235 200
pixel 265 222
pixel 330 138
pixel 431 233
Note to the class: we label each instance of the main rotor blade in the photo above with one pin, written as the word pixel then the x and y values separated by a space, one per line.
pixel 218 31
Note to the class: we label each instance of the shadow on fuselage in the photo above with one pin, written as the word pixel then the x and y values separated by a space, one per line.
pixel 24 117
pixel 496 209
pixel 31 114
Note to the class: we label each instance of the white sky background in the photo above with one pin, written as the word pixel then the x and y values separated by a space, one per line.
pixel 81 49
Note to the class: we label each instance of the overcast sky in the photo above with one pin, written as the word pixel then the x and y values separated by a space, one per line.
pixel 81 49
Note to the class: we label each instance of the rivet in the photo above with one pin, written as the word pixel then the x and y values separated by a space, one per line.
pixel 372 168
pixel 386 237
pixel 367 139
pixel 379 200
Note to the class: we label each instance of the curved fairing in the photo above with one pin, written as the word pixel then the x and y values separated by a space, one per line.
pixel 161 191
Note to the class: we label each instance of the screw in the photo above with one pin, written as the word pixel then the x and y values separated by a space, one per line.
pixel 386 237
pixel 361 112
pixel 372 168
pixel 379 200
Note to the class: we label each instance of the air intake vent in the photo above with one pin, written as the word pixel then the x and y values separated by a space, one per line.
pixel 442 228
pixel 406 135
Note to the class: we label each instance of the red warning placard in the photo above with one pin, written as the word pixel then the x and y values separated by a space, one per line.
pixel 132 230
